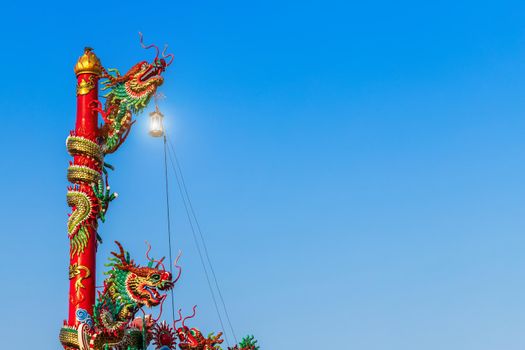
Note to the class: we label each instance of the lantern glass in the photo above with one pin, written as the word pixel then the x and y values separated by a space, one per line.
pixel 155 123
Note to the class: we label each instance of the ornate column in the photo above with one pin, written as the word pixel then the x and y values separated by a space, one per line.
pixel 84 173
pixel 129 288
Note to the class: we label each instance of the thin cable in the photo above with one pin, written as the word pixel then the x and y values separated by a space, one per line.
pixel 169 223
pixel 199 250
pixel 202 238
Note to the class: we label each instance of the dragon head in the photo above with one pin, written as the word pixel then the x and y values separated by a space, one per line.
pixel 144 77
pixel 138 286
pixel 128 288
pixel 192 338
pixel 140 83
pixel 144 283
pixel 129 94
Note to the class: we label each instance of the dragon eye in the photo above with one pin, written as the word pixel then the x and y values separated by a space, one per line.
pixel 155 277
pixel 192 332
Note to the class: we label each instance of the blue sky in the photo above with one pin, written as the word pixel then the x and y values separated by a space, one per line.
pixel 356 167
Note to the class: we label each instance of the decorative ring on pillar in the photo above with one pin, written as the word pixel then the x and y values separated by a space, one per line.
pixel 81 173
pixel 77 145
pixel 85 86
pixel 68 337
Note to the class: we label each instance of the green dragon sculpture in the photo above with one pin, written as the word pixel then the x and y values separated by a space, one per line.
pixel 128 289
pixel 126 95
pixel 129 94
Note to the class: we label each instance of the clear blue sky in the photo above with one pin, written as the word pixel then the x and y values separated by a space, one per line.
pixel 358 168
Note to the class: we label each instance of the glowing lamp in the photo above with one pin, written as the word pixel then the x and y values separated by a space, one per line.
pixel 155 123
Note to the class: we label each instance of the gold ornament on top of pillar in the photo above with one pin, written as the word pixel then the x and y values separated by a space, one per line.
pixel 88 63
pixel 89 66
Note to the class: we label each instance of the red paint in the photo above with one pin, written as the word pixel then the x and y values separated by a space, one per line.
pixel 86 126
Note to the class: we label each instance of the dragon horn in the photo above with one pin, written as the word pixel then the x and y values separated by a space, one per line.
pixel 168 55
pixel 149 46
pixel 178 267
pixel 151 260
pixel 180 318
pixel 147 252
pixel 193 315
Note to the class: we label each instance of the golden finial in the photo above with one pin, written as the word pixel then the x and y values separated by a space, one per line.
pixel 88 63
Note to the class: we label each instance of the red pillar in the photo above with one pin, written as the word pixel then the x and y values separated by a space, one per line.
pixel 81 173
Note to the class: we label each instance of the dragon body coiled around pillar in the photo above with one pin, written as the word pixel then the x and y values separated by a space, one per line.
pixel 126 95
pixel 111 322
pixel 84 174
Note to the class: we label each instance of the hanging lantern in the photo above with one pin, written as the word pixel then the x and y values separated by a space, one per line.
pixel 156 128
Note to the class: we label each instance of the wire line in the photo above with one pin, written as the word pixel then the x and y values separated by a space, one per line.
pixel 170 144
pixel 184 200
pixel 169 224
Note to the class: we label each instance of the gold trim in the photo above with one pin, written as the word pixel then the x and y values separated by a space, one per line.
pixel 88 63
pixel 83 146
pixel 84 87
pixel 69 337
pixel 80 173
pixel 76 270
